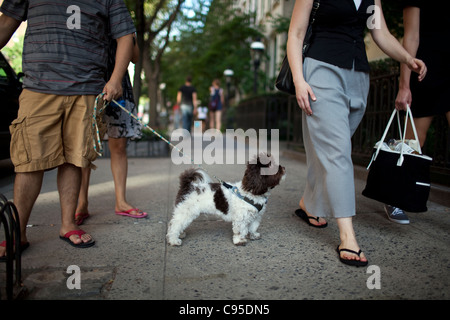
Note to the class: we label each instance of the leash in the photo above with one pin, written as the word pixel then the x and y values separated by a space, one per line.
pixel 234 189
pixel 163 139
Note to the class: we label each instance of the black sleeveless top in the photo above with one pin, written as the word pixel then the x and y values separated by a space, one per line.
pixel 338 33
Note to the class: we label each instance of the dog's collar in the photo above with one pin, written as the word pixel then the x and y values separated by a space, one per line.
pixel 236 192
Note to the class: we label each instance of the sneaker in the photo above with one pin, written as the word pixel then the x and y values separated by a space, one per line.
pixel 396 214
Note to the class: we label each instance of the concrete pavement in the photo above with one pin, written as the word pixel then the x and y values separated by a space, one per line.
pixel 291 261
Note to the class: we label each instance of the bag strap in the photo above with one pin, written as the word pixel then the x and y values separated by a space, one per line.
pixel 402 136
pixel 410 117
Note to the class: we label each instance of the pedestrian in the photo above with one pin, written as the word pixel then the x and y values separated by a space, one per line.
pixel 176 116
pixel 202 115
pixel 187 100
pixel 425 30
pixel 63 75
pixel 215 105
pixel 332 85
pixel 120 128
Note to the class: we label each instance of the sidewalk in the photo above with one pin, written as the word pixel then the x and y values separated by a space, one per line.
pixel 291 261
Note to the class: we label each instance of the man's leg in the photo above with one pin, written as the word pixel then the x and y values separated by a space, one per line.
pixel 69 181
pixel 83 201
pixel 26 190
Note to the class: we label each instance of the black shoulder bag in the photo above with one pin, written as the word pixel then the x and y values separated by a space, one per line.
pixel 284 80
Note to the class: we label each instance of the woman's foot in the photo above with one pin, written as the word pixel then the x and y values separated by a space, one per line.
pixel 351 257
pixel 312 220
pixel 349 251
pixel 130 211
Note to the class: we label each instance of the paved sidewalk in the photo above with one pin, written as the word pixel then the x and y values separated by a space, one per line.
pixel 291 261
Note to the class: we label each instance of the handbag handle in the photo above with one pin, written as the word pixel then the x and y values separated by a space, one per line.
pixel 402 136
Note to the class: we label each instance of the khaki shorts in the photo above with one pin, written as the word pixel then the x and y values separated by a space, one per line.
pixel 51 130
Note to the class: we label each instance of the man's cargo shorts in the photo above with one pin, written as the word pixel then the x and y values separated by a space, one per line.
pixel 51 130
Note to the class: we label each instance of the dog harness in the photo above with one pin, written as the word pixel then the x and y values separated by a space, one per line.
pixel 236 192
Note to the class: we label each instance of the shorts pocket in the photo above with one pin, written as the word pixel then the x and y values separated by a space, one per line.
pixel 20 146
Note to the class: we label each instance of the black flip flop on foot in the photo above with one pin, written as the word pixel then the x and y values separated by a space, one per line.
pixel 356 263
pixel 79 233
pixel 304 216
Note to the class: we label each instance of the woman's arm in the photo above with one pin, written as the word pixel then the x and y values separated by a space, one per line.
pixel 297 30
pixel 411 23
pixel 389 45
pixel 113 88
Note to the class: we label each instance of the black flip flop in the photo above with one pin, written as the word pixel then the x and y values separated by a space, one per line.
pixel 304 216
pixel 78 233
pixel 356 263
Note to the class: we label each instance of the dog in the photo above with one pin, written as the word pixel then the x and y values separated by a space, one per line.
pixel 242 203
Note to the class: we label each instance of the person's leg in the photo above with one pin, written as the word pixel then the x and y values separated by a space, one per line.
pixel 69 181
pixel 212 116
pixel 422 125
pixel 82 210
pixel 218 119
pixel 348 240
pixel 119 169
pixel 27 186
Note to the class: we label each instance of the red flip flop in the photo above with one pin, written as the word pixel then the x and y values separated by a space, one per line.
pixel 80 217
pixel 128 214
pixel 78 233
pixel 22 247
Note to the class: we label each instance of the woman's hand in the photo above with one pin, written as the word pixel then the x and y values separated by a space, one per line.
pixel 303 92
pixel 417 66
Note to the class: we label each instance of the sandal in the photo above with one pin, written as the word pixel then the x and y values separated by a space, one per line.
pixel 356 263
pixel 79 233
pixel 304 216
pixel 80 217
pixel 128 213
pixel 23 246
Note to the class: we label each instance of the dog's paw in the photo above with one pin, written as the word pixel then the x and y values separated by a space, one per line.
pixel 254 236
pixel 174 242
pixel 238 241
pixel 182 235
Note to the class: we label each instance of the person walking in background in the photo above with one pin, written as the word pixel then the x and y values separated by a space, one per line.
pixel 187 100
pixel 215 105
pixel 63 75
pixel 425 31
pixel 176 116
pixel 332 85
pixel 202 115
pixel 120 128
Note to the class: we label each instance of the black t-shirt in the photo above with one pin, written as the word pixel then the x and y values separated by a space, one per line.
pixel 186 94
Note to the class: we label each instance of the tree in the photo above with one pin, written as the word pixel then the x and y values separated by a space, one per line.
pixel 154 22
pixel 210 42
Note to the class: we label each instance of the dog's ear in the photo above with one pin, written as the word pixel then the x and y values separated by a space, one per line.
pixel 253 182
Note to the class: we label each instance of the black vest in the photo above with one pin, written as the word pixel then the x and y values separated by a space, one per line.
pixel 338 33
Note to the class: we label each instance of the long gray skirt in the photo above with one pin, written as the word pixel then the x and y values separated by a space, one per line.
pixel 341 102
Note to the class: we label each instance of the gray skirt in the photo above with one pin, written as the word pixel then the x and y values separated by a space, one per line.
pixel 341 102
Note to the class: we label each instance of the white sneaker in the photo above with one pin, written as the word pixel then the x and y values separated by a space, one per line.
pixel 396 214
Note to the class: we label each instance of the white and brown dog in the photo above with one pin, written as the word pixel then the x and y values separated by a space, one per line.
pixel 242 203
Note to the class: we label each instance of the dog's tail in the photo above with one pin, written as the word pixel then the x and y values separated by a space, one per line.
pixel 188 180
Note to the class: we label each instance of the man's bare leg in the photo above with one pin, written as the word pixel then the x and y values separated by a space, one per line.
pixel 69 181
pixel 27 187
